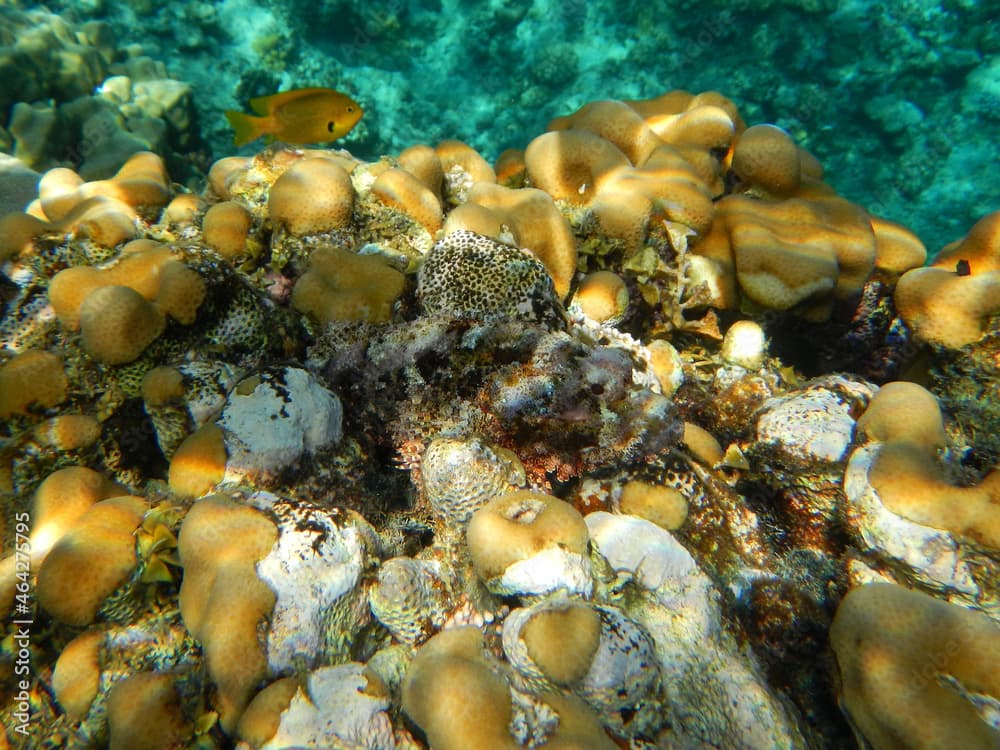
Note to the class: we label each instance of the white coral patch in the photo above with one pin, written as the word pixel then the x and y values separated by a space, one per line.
pixel 655 560
pixel 717 695
pixel 336 712
pixel 550 570
pixel 810 425
pixel 929 554
pixel 316 561
pixel 286 415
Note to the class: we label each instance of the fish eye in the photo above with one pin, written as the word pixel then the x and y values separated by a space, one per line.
pixel 350 109
pixel 329 127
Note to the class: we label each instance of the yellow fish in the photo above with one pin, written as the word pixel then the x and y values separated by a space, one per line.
pixel 312 115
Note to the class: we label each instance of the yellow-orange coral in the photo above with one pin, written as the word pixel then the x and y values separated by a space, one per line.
pixel 451 693
pixel 702 445
pixel 222 601
pixel 162 385
pixel 664 506
pixel 622 214
pixel 538 226
pixel 181 292
pixel 18 232
pixel 226 227
pixel 141 183
pixel 401 190
pixel 423 163
pixel 33 377
pixel 182 210
pixel 903 412
pixel 766 157
pixel 667 103
pixel 704 126
pixel 454 154
pixel 897 249
pixel 616 122
pixel 793 252
pixel 475 218
pixel 69 432
pixel 510 167
pixel 602 296
pixel 57 192
pixel 901 654
pixel 980 248
pixel 706 121
pixel 569 164
pixel 561 640
pixel 147 267
pixel 199 463
pixel 77 675
pixel 906 419
pixel 911 484
pixel 105 221
pixel 665 363
pixel 945 307
pixel 90 561
pixel 520 524
pixel 313 195
pixel 675 190
pixel 59 502
pixel 144 711
pixel 117 324
pixel 262 718
pixel 222 172
pixel 341 285
pixel 950 303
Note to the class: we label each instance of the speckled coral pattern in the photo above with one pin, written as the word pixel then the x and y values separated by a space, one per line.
pixel 470 276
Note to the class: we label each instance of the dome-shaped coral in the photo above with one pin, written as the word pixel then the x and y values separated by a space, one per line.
pixel 226 227
pixel 312 196
pixel 400 189
pixel 117 324
pixel 341 285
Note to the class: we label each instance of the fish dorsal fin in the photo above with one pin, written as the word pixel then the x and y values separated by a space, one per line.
pixel 265 105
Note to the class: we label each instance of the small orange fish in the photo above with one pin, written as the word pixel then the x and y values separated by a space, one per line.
pixel 312 115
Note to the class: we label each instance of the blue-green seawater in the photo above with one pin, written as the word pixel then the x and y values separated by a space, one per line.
pixel 900 101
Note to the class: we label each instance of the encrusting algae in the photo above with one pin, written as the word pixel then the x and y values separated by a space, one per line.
pixel 598 440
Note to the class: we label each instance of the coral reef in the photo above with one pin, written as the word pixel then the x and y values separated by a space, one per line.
pixel 597 447
pixel 895 100
pixel 77 97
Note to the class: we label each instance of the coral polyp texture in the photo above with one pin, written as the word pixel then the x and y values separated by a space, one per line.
pixel 613 444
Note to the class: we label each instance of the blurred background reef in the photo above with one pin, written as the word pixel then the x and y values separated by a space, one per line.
pixel 897 100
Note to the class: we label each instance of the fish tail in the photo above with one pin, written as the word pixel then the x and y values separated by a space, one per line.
pixel 246 127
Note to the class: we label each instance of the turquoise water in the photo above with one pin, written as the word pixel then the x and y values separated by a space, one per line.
pixel 900 101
